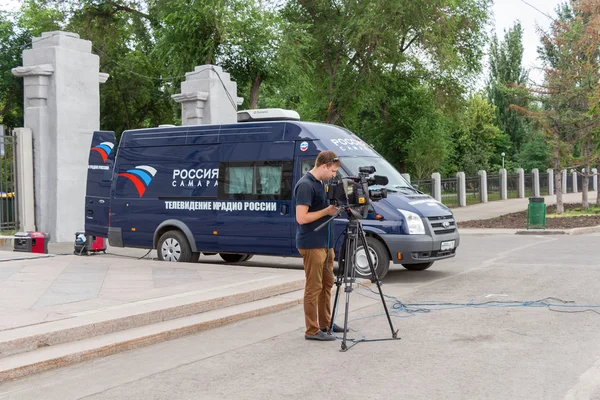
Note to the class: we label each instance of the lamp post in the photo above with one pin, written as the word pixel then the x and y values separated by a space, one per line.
pixel 503 154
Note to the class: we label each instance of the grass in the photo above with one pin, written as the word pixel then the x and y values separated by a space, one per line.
pixel 593 211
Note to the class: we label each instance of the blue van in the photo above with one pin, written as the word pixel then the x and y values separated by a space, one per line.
pixel 227 189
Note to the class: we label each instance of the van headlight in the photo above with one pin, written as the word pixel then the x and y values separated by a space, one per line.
pixel 414 223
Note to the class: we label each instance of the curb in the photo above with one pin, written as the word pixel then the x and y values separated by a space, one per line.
pixel 535 232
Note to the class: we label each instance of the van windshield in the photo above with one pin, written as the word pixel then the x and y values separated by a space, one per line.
pixel 350 165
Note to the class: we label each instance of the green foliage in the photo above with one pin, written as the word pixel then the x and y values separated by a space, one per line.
pixel 507 85
pixel 477 138
pixel 535 153
pixel 12 41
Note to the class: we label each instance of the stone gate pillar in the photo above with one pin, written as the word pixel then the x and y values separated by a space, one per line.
pixel 208 96
pixel 62 108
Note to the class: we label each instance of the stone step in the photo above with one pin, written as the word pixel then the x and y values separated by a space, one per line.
pixel 88 324
pixel 60 355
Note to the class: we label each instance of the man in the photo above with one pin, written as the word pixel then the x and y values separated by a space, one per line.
pixel 316 247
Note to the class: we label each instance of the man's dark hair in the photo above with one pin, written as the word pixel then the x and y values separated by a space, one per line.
pixel 326 157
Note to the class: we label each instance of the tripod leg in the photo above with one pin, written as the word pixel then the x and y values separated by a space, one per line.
pixel 351 247
pixel 363 239
pixel 338 283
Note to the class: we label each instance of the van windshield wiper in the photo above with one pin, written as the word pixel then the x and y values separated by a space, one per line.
pixel 404 188
pixel 383 187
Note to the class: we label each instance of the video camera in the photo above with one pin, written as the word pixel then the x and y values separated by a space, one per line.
pixel 353 191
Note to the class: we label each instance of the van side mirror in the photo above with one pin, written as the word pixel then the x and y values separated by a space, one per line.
pixel 415 186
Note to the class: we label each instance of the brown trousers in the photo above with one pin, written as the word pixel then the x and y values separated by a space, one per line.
pixel 317 290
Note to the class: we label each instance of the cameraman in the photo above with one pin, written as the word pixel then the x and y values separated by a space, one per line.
pixel 316 247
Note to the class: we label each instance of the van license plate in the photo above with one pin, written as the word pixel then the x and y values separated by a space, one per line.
pixel 449 245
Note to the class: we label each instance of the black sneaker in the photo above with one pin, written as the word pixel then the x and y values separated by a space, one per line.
pixel 320 336
pixel 336 329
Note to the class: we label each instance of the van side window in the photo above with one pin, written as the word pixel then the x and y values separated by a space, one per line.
pixel 260 180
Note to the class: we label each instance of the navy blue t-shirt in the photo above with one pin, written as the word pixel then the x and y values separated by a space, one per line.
pixel 310 192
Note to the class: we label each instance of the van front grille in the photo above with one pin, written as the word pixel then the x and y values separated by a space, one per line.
pixel 442 225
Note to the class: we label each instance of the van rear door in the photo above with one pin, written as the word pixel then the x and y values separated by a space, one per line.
pixel 99 180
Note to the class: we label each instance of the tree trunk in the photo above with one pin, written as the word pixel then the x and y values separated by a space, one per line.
pixel 558 187
pixel 597 197
pixel 332 116
pixel 254 89
pixel 557 172
pixel 585 204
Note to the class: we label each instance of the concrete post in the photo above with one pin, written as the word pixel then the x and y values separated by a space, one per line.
pixel 564 181
pixel 595 179
pixel 462 189
pixel 406 176
pixel 62 109
pixel 437 186
pixel 483 192
pixel 550 172
pixel 521 174
pixel 574 177
pixel 503 184
pixel 24 178
pixel 536 182
pixel 208 96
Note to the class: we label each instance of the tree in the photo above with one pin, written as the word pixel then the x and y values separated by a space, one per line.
pixel 507 85
pixel 12 41
pixel 571 50
pixel 476 136
pixel 251 45
pixel 356 44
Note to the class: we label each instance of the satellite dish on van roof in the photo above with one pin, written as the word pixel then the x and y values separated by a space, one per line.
pixel 267 114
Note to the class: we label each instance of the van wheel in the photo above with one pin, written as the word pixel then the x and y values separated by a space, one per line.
pixel 233 258
pixel 174 247
pixel 418 267
pixel 379 257
pixel 248 257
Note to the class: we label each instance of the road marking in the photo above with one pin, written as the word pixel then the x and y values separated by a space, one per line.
pixel 588 385
pixel 492 295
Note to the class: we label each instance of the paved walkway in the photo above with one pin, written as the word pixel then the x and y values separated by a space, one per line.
pixel 497 208
pixel 40 288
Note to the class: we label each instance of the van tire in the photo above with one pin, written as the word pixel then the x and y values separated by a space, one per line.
pixel 418 267
pixel 382 262
pixel 233 258
pixel 173 246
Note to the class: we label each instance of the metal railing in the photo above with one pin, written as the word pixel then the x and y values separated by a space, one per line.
pixel 493 187
pixel 544 184
pixel 8 201
pixel 512 186
pixel 528 185
pixel 449 195
pixel 425 186
pixel 473 189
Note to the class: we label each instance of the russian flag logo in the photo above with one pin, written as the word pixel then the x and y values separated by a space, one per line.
pixel 104 148
pixel 141 176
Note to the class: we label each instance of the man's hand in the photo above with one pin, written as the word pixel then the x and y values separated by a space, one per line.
pixel 331 210
pixel 305 217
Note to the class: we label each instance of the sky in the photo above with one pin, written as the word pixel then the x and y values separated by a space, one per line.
pixel 505 13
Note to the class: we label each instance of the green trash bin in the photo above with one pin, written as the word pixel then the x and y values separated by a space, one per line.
pixel 536 213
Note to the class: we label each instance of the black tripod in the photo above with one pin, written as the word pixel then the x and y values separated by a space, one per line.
pixel 346 273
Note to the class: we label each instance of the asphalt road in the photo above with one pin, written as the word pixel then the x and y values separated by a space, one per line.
pixel 458 352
